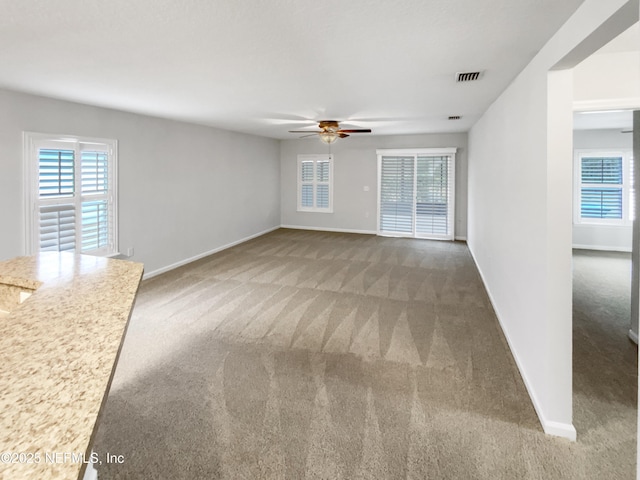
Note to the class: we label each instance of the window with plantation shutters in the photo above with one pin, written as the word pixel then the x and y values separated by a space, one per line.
pixel 315 178
pixel 72 194
pixel 603 188
pixel 416 193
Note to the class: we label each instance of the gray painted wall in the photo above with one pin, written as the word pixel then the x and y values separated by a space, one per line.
pixel 184 189
pixel 356 167
pixel 603 138
pixel 602 237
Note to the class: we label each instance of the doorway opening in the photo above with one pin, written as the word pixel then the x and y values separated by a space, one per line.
pixel 606 89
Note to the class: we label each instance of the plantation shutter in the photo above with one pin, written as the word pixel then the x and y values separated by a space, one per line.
pixel 56 181
pixel 57 228
pixel 56 172
pixel 95 212
pixel 601 192
pixel 322 183
pixel 307 176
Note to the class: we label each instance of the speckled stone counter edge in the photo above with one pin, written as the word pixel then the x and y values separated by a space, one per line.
pixel 60 348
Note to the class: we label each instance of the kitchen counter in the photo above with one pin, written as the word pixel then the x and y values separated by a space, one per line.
pixel 59 350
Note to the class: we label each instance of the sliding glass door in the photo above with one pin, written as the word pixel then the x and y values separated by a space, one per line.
pixel 416 193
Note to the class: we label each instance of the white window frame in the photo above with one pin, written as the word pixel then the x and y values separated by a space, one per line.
pixel 451 208
pixel 32 143
pixel 315 158
pixel 627 187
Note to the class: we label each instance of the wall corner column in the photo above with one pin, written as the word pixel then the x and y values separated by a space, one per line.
pixel 635 244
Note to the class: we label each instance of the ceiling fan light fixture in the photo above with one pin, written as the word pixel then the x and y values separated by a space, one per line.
pixel 328 137
pixel 330 131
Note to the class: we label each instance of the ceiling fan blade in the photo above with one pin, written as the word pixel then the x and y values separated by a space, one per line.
pixel 310 135
pixel 359 130
pixel 302 131
pixel 342 134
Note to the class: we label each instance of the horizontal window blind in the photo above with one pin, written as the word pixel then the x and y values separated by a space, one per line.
pixel 396 194
pixel 432 195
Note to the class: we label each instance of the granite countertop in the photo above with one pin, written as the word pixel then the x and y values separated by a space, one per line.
pixel 59 350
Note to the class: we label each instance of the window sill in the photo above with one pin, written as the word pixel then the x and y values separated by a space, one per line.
pixel 315 211
pixel 602 224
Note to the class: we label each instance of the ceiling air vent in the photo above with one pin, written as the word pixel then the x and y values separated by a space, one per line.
pixel 455 117
pixel 467 76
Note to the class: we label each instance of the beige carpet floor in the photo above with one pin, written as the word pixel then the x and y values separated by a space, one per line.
pixel 313 355
pixel 605 361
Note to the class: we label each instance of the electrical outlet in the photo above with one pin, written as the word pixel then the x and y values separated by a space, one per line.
pixel 130 252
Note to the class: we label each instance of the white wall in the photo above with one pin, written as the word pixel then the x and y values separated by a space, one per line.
pixel 519 223
pixel 602 237
pixel 607 79
pixel 184 189
pixel 355 166
pixel 635 261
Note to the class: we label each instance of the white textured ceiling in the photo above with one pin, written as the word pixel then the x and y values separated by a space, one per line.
pixel 267 66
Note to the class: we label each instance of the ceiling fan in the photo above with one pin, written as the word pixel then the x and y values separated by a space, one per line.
pixel 330 131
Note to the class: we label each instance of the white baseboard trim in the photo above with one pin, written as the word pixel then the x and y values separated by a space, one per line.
pixel 162 270
pixel 90 472
pixel 329 229
pixel 602 248
pixel 347 230
pixel 633 336
pixel 565 430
